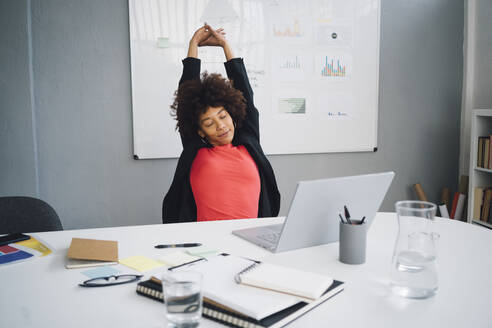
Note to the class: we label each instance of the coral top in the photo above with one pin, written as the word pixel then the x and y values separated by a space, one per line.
pixel 225 183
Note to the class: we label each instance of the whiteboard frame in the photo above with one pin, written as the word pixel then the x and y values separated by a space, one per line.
pixel 143 152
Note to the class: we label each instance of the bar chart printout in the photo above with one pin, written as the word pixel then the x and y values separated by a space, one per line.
pixel 288 31
pixel 291 63
pixel 333 68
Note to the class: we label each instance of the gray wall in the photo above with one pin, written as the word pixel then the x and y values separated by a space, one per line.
pixel 82 106
pixel 483 55
pixel 17 144
pixel 477 78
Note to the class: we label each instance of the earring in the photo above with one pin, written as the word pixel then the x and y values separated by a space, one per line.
pixel 205 141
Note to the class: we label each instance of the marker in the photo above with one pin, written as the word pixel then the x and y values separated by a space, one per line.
pixel 347 214
pixel 178 245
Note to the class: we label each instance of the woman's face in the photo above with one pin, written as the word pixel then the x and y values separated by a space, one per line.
pixel 216 126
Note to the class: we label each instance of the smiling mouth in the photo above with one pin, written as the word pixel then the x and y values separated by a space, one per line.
pixel 224 134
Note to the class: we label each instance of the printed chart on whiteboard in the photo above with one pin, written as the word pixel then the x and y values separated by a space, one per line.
pixel 313 66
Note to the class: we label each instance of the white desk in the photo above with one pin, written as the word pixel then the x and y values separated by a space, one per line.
pixel 42 293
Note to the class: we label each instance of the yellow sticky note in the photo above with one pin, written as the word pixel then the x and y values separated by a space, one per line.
pixel 36 245
pixel 141 263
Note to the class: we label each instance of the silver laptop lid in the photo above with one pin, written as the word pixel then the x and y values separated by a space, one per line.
pixel 313 215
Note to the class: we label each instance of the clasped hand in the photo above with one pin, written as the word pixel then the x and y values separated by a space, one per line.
pixel 207 36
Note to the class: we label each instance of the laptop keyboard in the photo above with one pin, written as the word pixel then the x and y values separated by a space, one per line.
pixel 271 237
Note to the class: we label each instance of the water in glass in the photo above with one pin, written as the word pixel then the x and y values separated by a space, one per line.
pixel 183 299
pixel 413 267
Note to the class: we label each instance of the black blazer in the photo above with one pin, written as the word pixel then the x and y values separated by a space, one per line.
pixel 179 204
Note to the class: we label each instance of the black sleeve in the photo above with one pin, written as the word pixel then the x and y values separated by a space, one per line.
pixel 191 71
pixel 237 73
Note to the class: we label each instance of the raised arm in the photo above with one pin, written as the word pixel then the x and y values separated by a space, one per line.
pixel 191 64
pixel 237 73
pixel 234 66
pixel 201 37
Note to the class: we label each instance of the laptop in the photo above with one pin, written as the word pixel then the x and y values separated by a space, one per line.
pixel 313 217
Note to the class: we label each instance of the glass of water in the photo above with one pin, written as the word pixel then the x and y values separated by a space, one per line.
pixel 182 298
pixel 413 267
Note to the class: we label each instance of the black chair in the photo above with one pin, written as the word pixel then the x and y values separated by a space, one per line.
pixel 27 214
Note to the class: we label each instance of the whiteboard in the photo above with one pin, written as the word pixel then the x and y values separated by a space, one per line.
pixel 313 66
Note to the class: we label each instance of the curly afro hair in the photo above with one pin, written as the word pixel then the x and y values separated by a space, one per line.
pixel 194 97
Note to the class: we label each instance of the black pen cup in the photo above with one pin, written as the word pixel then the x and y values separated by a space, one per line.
pixel 353 237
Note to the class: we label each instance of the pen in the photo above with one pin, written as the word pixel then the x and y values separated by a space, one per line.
pixel 347 214
pixel 178 245
pixel 187 263
pixel 341 219
pixel 362 221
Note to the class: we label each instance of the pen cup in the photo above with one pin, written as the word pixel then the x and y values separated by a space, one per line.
pixel 352 249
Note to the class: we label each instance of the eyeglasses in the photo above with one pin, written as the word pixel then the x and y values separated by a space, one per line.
pixel 111 280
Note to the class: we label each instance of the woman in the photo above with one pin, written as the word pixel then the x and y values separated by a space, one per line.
pixel 222 172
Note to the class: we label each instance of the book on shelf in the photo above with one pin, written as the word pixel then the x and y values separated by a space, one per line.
pixel 477 202
pixel 443 211
pixel 237 305
pixel 454 204
pixel 486 153
pixel 460 206
pixel 479 151
pixel 486 205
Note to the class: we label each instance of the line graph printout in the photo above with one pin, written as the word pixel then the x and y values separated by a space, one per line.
pixel 292 105
pixel 313 67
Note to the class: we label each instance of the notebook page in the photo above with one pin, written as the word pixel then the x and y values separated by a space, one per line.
pixel 219 285
pixel 287 280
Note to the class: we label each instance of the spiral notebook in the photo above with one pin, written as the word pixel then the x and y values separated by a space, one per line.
pixel 286 280
pixel 152 288
pixel 239 305
pixel 220 285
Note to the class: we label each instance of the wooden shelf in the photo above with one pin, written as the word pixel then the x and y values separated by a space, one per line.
pixel 482 223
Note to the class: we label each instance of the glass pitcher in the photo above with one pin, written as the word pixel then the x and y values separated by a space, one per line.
pixel 413 267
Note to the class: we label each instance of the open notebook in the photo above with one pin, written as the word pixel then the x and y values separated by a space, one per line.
pixel 286 280
pixel 219 285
